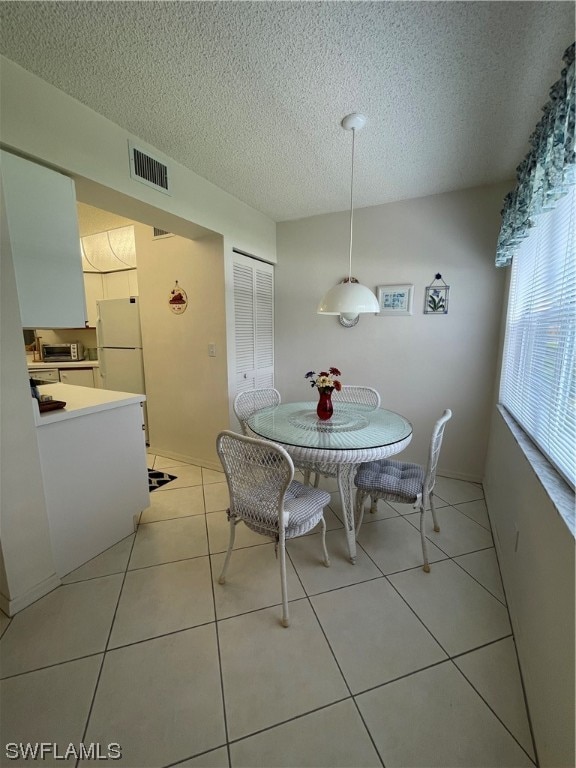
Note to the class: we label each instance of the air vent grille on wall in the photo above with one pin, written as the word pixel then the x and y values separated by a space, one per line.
pixel 161 232
pixel 148 170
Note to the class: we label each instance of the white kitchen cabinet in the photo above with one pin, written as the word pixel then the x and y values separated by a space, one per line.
pixel 42 227
pixel 133 282
pixel 94 290
pixel 44 375
pixel 79 377
pixel 93 458
pixel 120 285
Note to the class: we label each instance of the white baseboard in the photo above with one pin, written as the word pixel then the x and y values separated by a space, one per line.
pixel 11 607
pixel 215 465
pixel 188 459
pixel 459 476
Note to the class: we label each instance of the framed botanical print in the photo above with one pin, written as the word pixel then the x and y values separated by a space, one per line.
pixel 436 297
pixel 395 299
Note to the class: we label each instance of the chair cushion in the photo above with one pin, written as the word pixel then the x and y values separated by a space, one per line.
pixel 396 478
pixel 303 508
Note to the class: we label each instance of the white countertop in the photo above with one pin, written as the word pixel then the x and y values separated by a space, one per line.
pixel 80 401
pixel 78 364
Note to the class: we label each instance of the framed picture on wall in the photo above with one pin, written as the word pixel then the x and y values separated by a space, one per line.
pixel 436 297
pixel 436 300
pixel 395 299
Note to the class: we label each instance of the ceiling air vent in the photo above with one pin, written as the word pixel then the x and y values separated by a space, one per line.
pixel 148 170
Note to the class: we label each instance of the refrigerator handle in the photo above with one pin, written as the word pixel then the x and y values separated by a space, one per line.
pixel 101 358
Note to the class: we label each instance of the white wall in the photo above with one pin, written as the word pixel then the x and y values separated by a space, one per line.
pixel 67 335
pixel 536 554
pixel 28 568
pixel 420 364
pixel 187 390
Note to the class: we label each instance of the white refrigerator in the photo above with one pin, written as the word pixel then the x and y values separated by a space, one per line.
pixel 119 341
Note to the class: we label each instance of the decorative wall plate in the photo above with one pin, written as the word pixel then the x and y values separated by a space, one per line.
pixel 178 300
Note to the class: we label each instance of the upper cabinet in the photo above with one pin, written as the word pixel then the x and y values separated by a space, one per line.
pixel 43 231
pixel 120 285
pixel 110 285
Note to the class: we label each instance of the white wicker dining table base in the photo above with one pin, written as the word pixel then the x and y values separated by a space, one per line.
pixel 346 462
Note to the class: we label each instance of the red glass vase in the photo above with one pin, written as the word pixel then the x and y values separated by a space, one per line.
pixel 324 408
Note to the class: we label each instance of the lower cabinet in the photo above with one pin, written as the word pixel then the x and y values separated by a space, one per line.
pixel 101 454
pixel 80 377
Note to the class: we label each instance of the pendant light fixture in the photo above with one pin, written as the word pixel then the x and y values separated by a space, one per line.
pixel 349 298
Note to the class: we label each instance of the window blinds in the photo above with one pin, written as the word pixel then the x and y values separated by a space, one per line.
pixel 538 385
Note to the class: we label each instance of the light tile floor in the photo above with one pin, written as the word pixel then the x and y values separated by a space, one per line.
pixel 382 665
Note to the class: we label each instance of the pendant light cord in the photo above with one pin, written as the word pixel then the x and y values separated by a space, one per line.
pixel 351 207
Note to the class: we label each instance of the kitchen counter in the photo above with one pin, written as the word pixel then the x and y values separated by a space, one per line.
pixel 79 364
pixel 80 401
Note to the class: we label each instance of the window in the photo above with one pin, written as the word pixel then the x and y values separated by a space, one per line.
pixel 538 384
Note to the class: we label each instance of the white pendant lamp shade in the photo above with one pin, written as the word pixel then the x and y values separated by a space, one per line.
pixel 349 300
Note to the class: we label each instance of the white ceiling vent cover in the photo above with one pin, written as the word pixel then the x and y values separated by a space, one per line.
pixel 147 169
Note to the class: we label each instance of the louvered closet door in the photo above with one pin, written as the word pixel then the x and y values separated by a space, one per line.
pixel 254 323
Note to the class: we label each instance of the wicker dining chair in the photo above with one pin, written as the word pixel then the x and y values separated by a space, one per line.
pixel 267 499
pixel 355 393
pixel 350 393
pixel 246 403
pixel 251 400
pixel 402 482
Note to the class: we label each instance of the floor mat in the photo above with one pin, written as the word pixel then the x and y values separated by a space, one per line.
pixel 158 479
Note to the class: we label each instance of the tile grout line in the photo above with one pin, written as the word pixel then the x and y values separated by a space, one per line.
pixel 476 580
pixel 496 715
pixel 448 658
pixel 415 614
pixel 319 623
pixel 352 697
pixel 448 556
pixel 525 697
pixel 7 625
pixel 292 719
pixel 91 707
pixel 216 630
pixel 196 756
pixel 51 666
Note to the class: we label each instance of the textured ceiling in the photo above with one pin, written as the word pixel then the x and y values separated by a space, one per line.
pixel 250 94
pixel 92 221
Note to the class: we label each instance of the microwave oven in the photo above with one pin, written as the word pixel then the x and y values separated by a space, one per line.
pixel 63 353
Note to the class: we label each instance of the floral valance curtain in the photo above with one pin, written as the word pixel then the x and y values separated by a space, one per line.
pixel 547 170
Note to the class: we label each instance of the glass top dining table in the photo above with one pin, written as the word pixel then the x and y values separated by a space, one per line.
pixel 355 434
